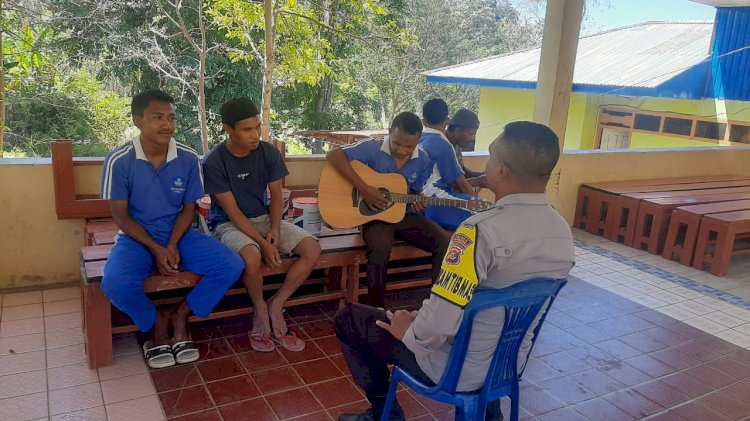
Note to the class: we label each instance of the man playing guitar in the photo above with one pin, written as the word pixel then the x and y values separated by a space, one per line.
pixel 396 153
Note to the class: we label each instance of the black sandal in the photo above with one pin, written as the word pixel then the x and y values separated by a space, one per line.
pixel 185 352
pixel 158 356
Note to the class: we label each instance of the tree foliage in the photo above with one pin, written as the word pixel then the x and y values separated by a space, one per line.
pixel 72 65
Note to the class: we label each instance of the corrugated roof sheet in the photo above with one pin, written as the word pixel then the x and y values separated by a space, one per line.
pixel 643 55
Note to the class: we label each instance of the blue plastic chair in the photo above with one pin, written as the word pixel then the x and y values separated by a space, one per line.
pixel 522 302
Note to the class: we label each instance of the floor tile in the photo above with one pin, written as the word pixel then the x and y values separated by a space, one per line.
pixel 662 393
pixel 66 355
pixel 141 409
pixel 10 328
pixel 727 405
pixel 22 298
pixel 293 403
pixel 412 408
pixel 20 363
pixel 62 321
pixel 75 398
pixel 337 392
pixel 21 312
pixel 92 414
pixel 232 390
pixel 214 348
pixel 127 365
pixel 632 402
pixel 249 410
pixel 317 370
pixel 329 344
pixel 695 411
pixel 125 345
pixel 351 408
pixel 59 338
pixel 185 401
pixel 177 377
pixel 277 379
pixel 71 375
pixel 127 388
pixel 310 352
pixel 210 415
pixel 23 384
pixel 19 344
pixel 259 361
pixel 601 409
pixel 58 294
pixel 26 407
pixel 54 308
pixel 319 328
pixel 220 368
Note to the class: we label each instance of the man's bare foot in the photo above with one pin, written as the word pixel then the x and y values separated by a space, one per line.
pixel 261 325
pixel 276 314
pixel 159 334
pixel 179 320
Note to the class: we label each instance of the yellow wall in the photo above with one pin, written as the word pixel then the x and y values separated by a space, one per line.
pixel 499 106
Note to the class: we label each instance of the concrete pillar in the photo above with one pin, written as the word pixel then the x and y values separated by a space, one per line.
pixel 562 27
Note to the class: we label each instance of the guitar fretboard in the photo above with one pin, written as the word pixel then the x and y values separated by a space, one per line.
pixel 434 201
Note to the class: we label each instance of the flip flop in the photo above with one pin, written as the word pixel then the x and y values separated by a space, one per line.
pixel 290 342
pixel 158 356
pixel 261 343
pixel 185 352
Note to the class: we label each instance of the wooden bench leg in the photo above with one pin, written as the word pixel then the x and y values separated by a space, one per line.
pixel 624 212
pixel 723 251
pixel 681 237
pixel 352 282
pixel 97 313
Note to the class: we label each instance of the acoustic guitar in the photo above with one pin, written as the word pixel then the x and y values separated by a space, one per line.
pixel 341 205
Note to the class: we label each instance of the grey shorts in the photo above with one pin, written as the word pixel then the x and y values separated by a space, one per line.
pixel 291 235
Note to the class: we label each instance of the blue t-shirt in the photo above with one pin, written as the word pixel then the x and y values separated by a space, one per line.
pixel 247 178
pixel 445 167
pixel 155 195
pixel 376 154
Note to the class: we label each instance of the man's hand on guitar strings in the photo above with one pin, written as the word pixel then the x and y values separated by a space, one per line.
pixel 420 205
pixel 478 204
pixel 374 198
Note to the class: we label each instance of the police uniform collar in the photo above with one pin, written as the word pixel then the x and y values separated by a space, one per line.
pixel 523 199
pixel 139 154
pixel 386 147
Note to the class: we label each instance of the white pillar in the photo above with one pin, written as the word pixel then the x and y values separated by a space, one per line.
pixel 562 27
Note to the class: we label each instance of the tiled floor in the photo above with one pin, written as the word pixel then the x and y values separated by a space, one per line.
pixel 633 336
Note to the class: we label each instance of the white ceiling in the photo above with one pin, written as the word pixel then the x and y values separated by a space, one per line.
pixel 724 3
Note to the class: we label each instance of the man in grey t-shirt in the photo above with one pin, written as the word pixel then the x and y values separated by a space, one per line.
pixel 521 237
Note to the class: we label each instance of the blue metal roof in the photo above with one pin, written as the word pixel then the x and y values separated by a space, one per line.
pixel 630 60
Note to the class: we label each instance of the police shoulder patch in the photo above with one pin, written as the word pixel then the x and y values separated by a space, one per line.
pixel 458 275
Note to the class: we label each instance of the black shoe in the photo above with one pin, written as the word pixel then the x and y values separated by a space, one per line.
pixel 396 415
pixel 493 412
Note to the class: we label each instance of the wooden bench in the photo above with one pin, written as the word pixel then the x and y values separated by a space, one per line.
pixel 684 223
pixel 653 217
pixel 626 207
pixel 722 231
pixel 341 257
pixel 596 208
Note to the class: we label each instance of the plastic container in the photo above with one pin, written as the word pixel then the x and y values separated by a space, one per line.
pixel 309 218
pixel 204 205
pixel 285 193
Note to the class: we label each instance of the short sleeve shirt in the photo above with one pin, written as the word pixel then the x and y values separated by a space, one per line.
pixel 445 166
pixel 155 195
pixel 246 178
pixel 376 154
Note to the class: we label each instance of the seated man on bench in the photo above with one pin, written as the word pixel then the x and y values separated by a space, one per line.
pixel 397 153
pixel 237 172
pixel 152 183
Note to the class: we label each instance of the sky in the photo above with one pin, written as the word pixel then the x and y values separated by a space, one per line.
pixel 608 14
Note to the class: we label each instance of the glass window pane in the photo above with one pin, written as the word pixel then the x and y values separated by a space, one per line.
pixel 710 130
pixel 739 134
pixel 681 126
pixel 647 122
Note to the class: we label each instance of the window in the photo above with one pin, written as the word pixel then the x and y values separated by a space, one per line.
pixel 739 133
pixel 710 129
pixel 681 126
pixel 647 122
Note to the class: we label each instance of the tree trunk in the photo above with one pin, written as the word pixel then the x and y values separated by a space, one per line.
pixel 324 97
pixel 202 82
pixel 270 36
pixel 2 87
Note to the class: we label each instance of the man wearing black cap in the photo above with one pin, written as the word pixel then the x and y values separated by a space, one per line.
pixel 462 131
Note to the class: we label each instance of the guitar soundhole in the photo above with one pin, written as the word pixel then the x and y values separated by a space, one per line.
pixel 364 209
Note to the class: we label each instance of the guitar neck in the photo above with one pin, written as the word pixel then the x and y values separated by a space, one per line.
pixel 433 201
